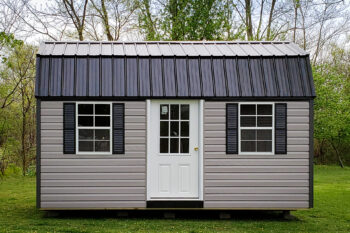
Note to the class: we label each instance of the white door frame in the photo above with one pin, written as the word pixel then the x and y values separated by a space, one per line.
pixel 200 150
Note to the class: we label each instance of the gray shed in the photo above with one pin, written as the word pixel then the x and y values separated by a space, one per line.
pixel 136 125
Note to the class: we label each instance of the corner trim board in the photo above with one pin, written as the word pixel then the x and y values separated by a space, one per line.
pixel 38 153
pixel 311 154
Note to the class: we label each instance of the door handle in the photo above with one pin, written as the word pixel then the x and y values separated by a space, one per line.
pixel 196 148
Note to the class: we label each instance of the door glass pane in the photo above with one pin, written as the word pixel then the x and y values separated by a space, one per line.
pixel 86 146
pixel 85 121
pixel 85 109
pixel 184 128
pixel 264 134
pixel 174 128
pixel 102 121
pixel 102 134
pixel 185 112
pixel 102 146
pixel 102 109
pixel 164 145
pixel 264 146
pixel 248 146
pixel 184 146
pixel 248 121
pixel 164 128
pixel 164 112
pixel 174 112
pixel 248 109
pixel 264 121
pixel 174 145
pixel 249 134
pixel 86 134
pixel 264 109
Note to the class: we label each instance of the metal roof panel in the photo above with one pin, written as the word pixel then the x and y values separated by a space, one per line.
pixel 83 49
pixel 48 48
pixel 130 49
pixel 201 50
pixel 177 50
pixel 166 72
pixel 118 50
pixel 71 49
pixel 249 49
pixel 165 50
pixel 95 49
pixel 153 49
pixel 235 48
pixel 189 49
pixel 58 49
pixel 261 50
pixel 285 50
pixel 213 49
pixel 225 50
pixel 106 49
pixel 141 50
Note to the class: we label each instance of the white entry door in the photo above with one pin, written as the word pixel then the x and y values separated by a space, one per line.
pixel 173 150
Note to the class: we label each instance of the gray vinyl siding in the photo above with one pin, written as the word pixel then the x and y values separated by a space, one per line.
pixel 256 181
pixel 93 181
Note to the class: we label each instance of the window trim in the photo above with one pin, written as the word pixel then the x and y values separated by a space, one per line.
pixel 272 128
pixel 110 152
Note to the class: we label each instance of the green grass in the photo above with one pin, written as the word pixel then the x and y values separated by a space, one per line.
pixel 331 213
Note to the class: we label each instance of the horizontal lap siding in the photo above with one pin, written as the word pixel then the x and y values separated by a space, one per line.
pixel 93 181
pixel 256 181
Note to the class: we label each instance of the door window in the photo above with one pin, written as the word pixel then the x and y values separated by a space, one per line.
pixel 174 128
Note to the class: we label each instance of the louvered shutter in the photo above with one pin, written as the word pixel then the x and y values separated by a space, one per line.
pixel 232 128
pixel 280 128
pixel 69 128
pixel 118 128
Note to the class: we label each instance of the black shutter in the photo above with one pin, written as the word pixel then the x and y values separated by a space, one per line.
pixel 69 128
pixel 232 128
pixel 118 129
pixel 281 128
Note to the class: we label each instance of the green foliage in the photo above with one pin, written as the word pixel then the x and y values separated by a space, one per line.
pixel 186 20
pixel 12 171
pixel 332 107
pixel 7 43
pixel 331 213
pixel 17 107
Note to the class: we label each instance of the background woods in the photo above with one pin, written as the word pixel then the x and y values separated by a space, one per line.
pixel 320 26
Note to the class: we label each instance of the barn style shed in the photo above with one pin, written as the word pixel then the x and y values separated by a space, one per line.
pixel 136 125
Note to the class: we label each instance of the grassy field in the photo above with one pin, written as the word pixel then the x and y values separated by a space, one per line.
pixel 331 213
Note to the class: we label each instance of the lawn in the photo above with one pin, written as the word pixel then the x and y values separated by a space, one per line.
pixel 331 213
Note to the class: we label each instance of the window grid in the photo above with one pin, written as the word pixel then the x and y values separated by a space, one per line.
pixel 179 121
pixel 94 128
pixel 256 127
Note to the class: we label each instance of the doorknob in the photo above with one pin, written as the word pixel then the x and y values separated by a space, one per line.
pixel 196 148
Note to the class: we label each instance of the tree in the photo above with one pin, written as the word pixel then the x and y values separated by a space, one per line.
pixel 332 112
pixel 19 75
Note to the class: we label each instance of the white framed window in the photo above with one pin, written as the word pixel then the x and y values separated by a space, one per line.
pixel 93 128
pixel 256 128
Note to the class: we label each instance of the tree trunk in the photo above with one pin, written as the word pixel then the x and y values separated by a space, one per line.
pixel 295 19
pixel 248 19
pixel 23 148
pixel 268 33
pixel 338 155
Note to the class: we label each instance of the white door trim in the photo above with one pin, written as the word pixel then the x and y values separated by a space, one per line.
pixel 200 151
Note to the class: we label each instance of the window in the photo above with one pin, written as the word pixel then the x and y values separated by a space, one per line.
pixel 174 128
pixel 256 128
pixel 94 128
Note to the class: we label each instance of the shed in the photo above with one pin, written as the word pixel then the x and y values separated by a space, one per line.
pixel 140 125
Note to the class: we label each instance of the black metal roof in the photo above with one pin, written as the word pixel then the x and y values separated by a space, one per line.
pixel 205 75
